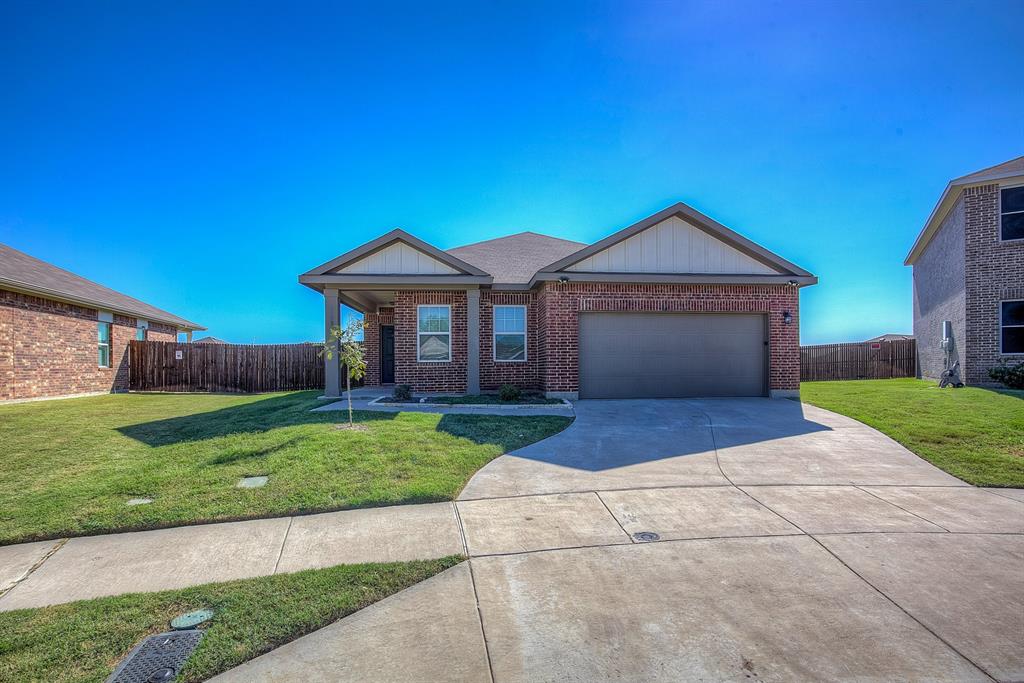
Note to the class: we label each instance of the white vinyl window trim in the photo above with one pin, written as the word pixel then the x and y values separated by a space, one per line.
pixel 1003 326
pixel 508 329
pixel 438 334
pixel 103 331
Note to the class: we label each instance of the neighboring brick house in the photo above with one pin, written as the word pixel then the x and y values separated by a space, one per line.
pixel 674 305
pixel 969 270
pixel 63 335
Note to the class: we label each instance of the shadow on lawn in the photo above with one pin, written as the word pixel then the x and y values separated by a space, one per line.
pixel 249 418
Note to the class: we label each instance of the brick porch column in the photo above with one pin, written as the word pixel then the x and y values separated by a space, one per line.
pixel 473 341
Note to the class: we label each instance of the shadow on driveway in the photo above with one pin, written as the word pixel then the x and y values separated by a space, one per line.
pixel 610 434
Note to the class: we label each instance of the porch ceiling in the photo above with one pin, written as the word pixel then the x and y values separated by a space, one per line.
pixel 366 301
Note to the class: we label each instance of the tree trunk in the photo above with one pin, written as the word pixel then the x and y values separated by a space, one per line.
pixel 348 390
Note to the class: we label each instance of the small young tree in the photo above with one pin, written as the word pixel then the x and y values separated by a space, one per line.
pixel 342 341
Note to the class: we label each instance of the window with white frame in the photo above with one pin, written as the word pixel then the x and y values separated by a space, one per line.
pixel 434 334
pixel 1011 213
pixel 140 333
pixel 510 333
pixel 1011 324
pixel 103 344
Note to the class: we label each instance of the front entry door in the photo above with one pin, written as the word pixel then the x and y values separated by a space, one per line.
pixel 387 354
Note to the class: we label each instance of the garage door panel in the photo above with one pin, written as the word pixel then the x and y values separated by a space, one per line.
pixel 665 355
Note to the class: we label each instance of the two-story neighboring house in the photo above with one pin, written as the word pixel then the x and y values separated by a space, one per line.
pixel 969 270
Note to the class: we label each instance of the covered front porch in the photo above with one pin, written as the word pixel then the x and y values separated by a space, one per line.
pixel 427 338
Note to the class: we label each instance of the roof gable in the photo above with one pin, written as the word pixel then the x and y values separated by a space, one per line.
pixel 396 253
pixel 398 258
pixel 672 246
pixel 1007 172
pixel 696 240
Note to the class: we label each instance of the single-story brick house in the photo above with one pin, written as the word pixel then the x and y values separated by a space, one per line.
pixel 674 305
pixel 63 335
pixel 968 263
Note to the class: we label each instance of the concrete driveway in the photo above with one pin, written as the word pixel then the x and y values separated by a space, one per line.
pixel 704 540
pixel 710 442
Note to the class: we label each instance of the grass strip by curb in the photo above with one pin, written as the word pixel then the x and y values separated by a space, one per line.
pixel 83 641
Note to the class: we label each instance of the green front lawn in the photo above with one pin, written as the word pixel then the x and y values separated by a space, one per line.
pixel 83 641
pixel 974 434
pixel 70 466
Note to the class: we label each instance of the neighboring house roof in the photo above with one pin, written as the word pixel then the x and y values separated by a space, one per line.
pixel 24 273
pixel 517 258
pixel 209 340
pixel 890 337
pixel 1014 168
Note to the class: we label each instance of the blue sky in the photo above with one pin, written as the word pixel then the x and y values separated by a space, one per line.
pixel 199 156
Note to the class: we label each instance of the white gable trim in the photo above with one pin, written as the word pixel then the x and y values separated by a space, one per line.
pixel 672 246
pixel 398 258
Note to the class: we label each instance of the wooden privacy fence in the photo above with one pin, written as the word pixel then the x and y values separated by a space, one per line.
pixel 170 366
pixel 866 360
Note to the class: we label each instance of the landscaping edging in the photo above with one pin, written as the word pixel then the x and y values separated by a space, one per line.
pixel 483 407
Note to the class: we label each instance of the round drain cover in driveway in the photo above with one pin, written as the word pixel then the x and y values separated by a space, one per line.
pixel 646 536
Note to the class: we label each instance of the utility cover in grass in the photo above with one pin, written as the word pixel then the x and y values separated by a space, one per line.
pixel 139 501
pixel 252 482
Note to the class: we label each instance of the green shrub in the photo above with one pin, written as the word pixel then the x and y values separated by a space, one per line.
pixel 402 392
pixel 1010 375
pixel 509 392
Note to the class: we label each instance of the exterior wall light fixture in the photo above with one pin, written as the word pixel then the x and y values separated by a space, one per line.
pixel 787 318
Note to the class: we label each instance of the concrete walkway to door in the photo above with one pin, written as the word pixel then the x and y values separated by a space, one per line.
pixel 701 540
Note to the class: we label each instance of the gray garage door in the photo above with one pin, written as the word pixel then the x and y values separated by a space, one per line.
pixel 670 355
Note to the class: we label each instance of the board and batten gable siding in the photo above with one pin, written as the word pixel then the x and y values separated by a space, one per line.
pixel 398 259
pixel 672 246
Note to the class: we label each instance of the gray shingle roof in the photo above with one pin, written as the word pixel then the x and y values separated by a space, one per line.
pixel 1013 166
pixel 517 258
pixel 26 273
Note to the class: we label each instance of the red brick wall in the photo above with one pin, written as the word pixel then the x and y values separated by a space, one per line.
pixel 994 272
pixel 525 375
pixel 371 342
pixel 559 306
pixel 48 348
pixel 450 376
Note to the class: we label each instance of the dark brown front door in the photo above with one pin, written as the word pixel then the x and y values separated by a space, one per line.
pixel 387 354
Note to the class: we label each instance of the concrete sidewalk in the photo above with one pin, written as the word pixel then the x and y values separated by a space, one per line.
pixel 54 572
